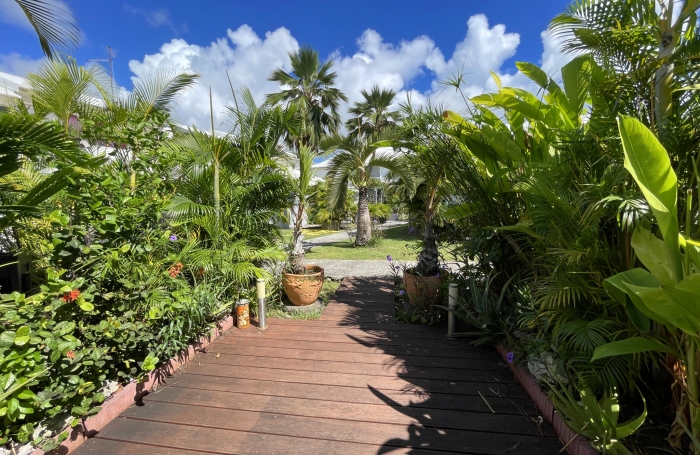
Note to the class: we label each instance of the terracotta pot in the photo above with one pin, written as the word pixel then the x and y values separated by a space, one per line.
pixel 303 289
pixel 423 291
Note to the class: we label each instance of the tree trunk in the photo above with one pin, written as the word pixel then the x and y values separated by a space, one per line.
pixel 364 223
pixel 298 254
pixel 428 261
pixel 663 78
pixel 217 196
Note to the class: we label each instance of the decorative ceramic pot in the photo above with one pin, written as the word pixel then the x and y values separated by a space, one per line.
pixel 243 314
pixel 423 291
pixel 303 289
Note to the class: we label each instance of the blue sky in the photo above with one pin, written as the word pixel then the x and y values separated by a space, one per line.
pixel 404 45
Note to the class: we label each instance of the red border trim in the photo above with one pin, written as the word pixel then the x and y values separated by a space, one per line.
pixel 579 445
pixel 134 391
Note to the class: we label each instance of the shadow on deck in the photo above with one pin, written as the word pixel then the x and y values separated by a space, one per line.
pixel 353 382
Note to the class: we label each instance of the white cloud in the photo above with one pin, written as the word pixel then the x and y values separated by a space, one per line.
pixel 19 65
pixel 156 18
pixel 250 59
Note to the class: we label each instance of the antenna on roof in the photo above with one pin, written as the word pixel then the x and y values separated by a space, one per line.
pixel 111 67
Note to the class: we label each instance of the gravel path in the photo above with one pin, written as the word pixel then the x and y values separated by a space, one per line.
pixel 337 269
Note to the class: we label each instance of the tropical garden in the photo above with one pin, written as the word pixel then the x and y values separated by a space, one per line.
pixel 572 211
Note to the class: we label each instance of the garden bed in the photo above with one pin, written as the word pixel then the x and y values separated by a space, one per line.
pixel 134 392
pixel 575 444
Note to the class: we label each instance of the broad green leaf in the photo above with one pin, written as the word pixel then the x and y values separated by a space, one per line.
pixel 651 251
pixel 22 336
pixel 534 72
pixel 576 76
pixel 26 395
pixel 498 183
pixel 687 295
pixel 649 164
pixel 150 363
pixel 503 144
pixel 634 345
pixel 496 79
pixel 664 308
pixel 85 305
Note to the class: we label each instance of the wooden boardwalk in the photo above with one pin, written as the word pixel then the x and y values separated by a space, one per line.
pixel 353 382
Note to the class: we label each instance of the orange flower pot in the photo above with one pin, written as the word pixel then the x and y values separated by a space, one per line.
pixel 423 291
pixel 304 289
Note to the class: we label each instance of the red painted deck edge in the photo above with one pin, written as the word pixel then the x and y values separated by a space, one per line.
pixel 579 445
pixel 133 392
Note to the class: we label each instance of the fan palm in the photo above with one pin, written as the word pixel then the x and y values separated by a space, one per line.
pixel 352 165
pixel 372 116
pixel 311 89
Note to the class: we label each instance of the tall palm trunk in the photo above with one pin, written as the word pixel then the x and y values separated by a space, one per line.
pixel 663 77
pixel 298 254
pixel 364 223
pixel 428 261
pixel 429 258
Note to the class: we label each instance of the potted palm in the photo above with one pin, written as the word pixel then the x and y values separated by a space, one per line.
pixel 310 92
pixel 421 135
pixel 302 283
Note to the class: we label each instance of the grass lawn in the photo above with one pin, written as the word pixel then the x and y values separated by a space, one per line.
pixel 310 233
pixel 396 242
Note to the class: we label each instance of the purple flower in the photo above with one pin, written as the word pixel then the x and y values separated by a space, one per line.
pixel 438 274
pixel 510 357
pixel 389 258
pixel 173 238
pixel 410 230
pixel 401 292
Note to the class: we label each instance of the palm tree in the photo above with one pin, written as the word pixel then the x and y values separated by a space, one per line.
pixel 634 38
pixel 310 88
pixel 372 115
pixel 63 89
pixel 423 137
pixel 55 26
pixel 352 165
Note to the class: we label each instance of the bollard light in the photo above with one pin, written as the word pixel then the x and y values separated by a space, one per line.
pixel 452 308
pixel 260 285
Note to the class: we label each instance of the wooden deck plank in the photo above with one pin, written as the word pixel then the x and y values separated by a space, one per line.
pixel 348 357
pixel 510 399
pixel 398 350
pixel 384 410
pixel 319 376
pixel 352 382
pixel 346 430
pixel 451 370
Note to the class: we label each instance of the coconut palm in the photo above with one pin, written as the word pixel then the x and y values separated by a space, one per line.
pixel 54 25
pixel 352 165
pixel 310 87
pixel 372 116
